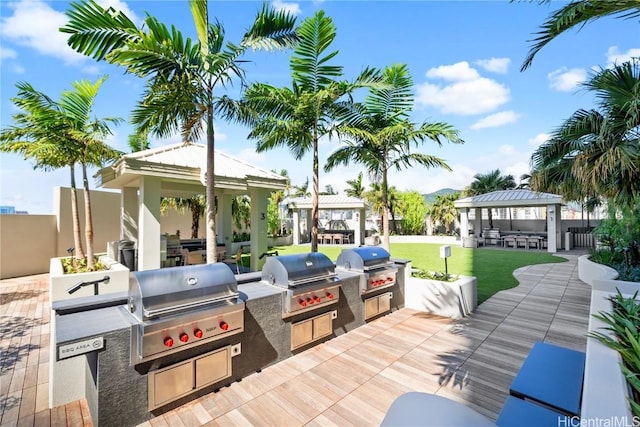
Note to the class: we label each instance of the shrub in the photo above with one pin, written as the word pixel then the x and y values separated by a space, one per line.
pixel 79 265
pixel 434 275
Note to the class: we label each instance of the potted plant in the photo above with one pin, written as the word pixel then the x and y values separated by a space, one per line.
pixel 444 294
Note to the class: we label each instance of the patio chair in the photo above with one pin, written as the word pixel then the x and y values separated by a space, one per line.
pixel 235 259
pixel 533 242
pixel 194 258
pixel 510 242
pixel 337 238
pixel 521 242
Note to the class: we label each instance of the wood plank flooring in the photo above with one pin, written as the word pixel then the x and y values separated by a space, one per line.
pixel 349 380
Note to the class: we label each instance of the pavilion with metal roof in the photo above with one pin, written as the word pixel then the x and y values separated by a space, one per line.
pixel 302 206
pixel 179 170
pixel 513 199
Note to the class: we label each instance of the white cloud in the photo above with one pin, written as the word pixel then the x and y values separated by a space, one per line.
pixel 17 68
pixel 293 8
pixel 517 170
pixel 430 180
pixel 468 94
pixel 121 6
pixel 538 140
pixel 495 65
pixel 460 71
pixel 496 120
pixel 615 57
pixel 565 80
pixel 6 53
pixel 36 25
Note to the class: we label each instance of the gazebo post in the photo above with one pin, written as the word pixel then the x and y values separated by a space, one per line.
pixel 259 228
pixel 553 228
pixel 225 221
pixel 296 226
pixel 477 223
pixel 149 224
pixel 464 223
pixel 129 214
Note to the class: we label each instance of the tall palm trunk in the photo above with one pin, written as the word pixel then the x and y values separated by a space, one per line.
pixel 211 196
pixel 77 239
pixel 316 190
pixel 195 220
pixel 385 206
pixel 88 223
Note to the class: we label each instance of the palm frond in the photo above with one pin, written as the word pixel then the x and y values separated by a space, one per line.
pixel 576 14
pixel 96 32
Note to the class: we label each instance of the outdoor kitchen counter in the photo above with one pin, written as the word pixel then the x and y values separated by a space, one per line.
pixel 265 340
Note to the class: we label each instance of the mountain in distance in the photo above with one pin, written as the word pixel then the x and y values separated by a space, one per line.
pixel 431 197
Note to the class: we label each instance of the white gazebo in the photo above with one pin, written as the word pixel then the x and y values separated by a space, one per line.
pixel 179 170
pixel 513 199
pixel 328 202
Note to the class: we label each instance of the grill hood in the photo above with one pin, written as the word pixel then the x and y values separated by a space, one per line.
pixel 155 293
pixel 363 258
pixel 294 270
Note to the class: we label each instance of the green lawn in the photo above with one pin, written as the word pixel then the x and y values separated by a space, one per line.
pixel 493 268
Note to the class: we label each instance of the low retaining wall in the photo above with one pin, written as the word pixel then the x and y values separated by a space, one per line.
pixel 605 390
pixel 449 299
pixel 588 271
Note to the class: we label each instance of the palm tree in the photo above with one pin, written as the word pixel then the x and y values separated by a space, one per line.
pixel 182 76
pixel 195 204
pixel 59 134
pixel 444 211
pixel 241 211
pixel 575 14
pixel 597 151
pixel 301 190
pixel 299 116
pixel 378 135
pixel 488 182
pixel 356 189
pixel 138 142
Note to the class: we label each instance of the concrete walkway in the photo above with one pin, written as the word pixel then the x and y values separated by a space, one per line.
pixel 349 380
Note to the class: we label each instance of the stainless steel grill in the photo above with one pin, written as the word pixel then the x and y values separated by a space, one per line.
pixel 182 307
pixel 375 262
pixel 310 281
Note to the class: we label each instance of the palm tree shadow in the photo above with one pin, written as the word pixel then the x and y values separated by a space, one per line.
pixel 452 373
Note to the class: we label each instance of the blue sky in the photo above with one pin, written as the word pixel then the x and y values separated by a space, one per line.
pixel 464 57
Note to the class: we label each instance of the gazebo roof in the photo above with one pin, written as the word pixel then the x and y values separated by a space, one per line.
pixel 187 162
pixel 335 201
pixel 509 198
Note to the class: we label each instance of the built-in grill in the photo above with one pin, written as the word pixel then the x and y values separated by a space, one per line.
pixel 375 262
pixel 182 307
pixel 310 281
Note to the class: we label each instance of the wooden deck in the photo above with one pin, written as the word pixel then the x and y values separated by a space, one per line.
pixel 349 380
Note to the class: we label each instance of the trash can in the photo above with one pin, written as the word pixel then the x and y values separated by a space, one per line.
pixel 127 254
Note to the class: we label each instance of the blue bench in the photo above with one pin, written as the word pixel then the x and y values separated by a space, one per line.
pixel 546 390
pixel 551 376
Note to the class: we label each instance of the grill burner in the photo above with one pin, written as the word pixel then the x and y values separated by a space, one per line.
pixel 309 279
pixel 182 307
pixel 374 262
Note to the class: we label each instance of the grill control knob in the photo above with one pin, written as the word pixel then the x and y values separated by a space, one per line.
pixel 318 299
pixel 184 337
pixel 198 333
pixel 329 295
pixel 310 300
pixel 168 342
pixel 224 325
pixel 302 302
